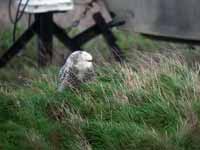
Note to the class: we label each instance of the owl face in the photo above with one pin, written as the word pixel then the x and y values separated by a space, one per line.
pixel 84 56
pixel 83 61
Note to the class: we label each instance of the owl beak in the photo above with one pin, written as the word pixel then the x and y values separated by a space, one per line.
pixel 90 60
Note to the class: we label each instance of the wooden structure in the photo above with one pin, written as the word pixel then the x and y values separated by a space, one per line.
pixel 166 18
pixel 46 28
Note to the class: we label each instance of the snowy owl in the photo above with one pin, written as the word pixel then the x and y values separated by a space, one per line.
pixel 77 69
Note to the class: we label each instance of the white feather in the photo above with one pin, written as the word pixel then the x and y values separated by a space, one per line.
pixel 77 68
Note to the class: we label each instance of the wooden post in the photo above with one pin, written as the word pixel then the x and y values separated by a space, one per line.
pixel 45 38
pixel 109 36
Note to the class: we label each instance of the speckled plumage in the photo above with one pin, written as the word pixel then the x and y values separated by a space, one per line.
pixel 77 69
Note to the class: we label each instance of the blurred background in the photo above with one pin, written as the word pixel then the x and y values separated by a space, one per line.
pixel 150 102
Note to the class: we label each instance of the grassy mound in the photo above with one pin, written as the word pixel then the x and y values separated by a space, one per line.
pixel 151 108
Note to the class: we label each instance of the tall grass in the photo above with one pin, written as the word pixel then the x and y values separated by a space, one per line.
pixel 151 106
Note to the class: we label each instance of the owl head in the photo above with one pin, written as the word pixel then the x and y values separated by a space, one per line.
pixel 81 60
pixel 78 68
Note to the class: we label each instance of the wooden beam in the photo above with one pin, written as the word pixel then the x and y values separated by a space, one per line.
pixel 18 45
pixel 45 38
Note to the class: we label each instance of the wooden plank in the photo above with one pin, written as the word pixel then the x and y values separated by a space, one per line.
pixel 169 18
pixel 61 34
pixel 41 6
